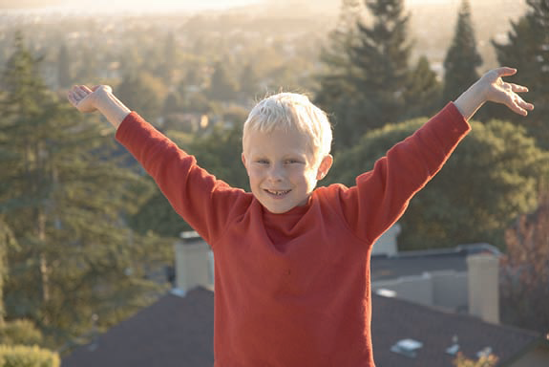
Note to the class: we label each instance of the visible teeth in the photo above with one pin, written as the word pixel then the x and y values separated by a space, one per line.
pixel 278 193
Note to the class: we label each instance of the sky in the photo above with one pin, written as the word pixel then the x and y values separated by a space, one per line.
pixel 105 5
pixel 156 5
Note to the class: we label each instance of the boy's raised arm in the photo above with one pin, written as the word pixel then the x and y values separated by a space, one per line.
pixel 99 98
pixel 491 87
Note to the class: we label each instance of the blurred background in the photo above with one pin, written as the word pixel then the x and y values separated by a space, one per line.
pixel 86 238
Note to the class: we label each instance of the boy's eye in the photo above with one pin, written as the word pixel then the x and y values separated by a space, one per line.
pixel 262 161
pixel 292 161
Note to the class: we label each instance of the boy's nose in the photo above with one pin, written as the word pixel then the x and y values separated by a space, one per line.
pixel 276 173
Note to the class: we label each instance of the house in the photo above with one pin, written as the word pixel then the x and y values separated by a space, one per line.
pixel 409 328
pixel 178 331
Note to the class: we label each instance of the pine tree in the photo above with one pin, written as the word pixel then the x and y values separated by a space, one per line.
pixel 382 58
pixel 365 84
pixel 249 82
pixel 462 58
pixel 527 50
pixel 423 91
pixel 223 86
pixel 64 77
pixel 337 92
pixel 64 201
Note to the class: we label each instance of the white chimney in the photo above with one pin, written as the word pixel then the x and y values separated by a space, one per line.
pixel 387 243
pixel 193 263
pixel 483 280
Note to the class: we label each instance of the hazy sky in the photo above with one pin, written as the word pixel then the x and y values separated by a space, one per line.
pixel 156 5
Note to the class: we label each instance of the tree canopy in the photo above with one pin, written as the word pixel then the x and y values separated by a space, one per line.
pixel 64 199
pixel 491 178
pixel 462 58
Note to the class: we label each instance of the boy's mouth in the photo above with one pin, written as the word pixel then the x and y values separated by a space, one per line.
pixel 277 192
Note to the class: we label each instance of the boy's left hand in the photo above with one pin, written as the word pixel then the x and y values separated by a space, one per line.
pixel 499 91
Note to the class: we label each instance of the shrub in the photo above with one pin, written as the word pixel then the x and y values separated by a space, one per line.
pixel 20 332
pixel 24 356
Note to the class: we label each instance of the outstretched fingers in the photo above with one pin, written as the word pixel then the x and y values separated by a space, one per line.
pixel 518 88
pixel 520 106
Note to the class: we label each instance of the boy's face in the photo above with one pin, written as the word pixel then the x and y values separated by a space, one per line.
pixel 282 169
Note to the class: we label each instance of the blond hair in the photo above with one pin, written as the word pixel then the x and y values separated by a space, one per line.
pixel 291 112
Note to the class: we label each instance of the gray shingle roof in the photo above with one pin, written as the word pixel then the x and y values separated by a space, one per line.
pixel 178 332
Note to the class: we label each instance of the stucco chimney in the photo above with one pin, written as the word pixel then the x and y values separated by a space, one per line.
pixel 483 280
pixel 193 263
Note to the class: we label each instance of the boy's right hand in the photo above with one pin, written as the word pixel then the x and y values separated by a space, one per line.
pixel 86 99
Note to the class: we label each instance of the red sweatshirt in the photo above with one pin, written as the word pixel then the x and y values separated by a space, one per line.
pixel 293 289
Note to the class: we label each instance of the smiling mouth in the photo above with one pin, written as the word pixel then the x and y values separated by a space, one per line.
pixel 277 192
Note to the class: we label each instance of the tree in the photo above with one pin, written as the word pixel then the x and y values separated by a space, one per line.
pixel 64 77
pixel 525 270
pixel 527 49
pixel 491 177
pixel 366 75
pixel 462 58
pixel 336 92
pixel 65 200
pixel 223 86
pixel 249 82
pixel 170 59
pixel 381 58
pixel 423 91
pixel 144 93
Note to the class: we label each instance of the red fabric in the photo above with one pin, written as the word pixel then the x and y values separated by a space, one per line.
pixel 293 289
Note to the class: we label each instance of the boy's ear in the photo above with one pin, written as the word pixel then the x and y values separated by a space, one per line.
pixel 243 157
pixel 324 167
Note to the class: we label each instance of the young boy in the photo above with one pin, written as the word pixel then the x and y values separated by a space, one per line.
pixel 292 264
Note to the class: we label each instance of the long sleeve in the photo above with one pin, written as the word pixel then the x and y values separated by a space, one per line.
pixel 203 201
pixel 381 196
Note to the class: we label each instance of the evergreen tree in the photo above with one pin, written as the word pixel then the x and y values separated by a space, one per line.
pixel 65 202
pixel 527 49
pixel 64 78
pixel 223 86
pixel 142 92
pixel 337 93
pixel 365 84
pixel 381 58
pixel 249 82
pixel 423 91
pixel 168 65
pixel 462 58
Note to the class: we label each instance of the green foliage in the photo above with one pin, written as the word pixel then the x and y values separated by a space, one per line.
pixel 462 58
pixel 64 199
pixel 20 332
pixel 142 92
pixel 367 81
pixel 423 91
pixel 223 86
pixel 491 177
pixel 381 57
pixel 23 356
pixel 527 49
pixel 64 77
pixel 336 92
